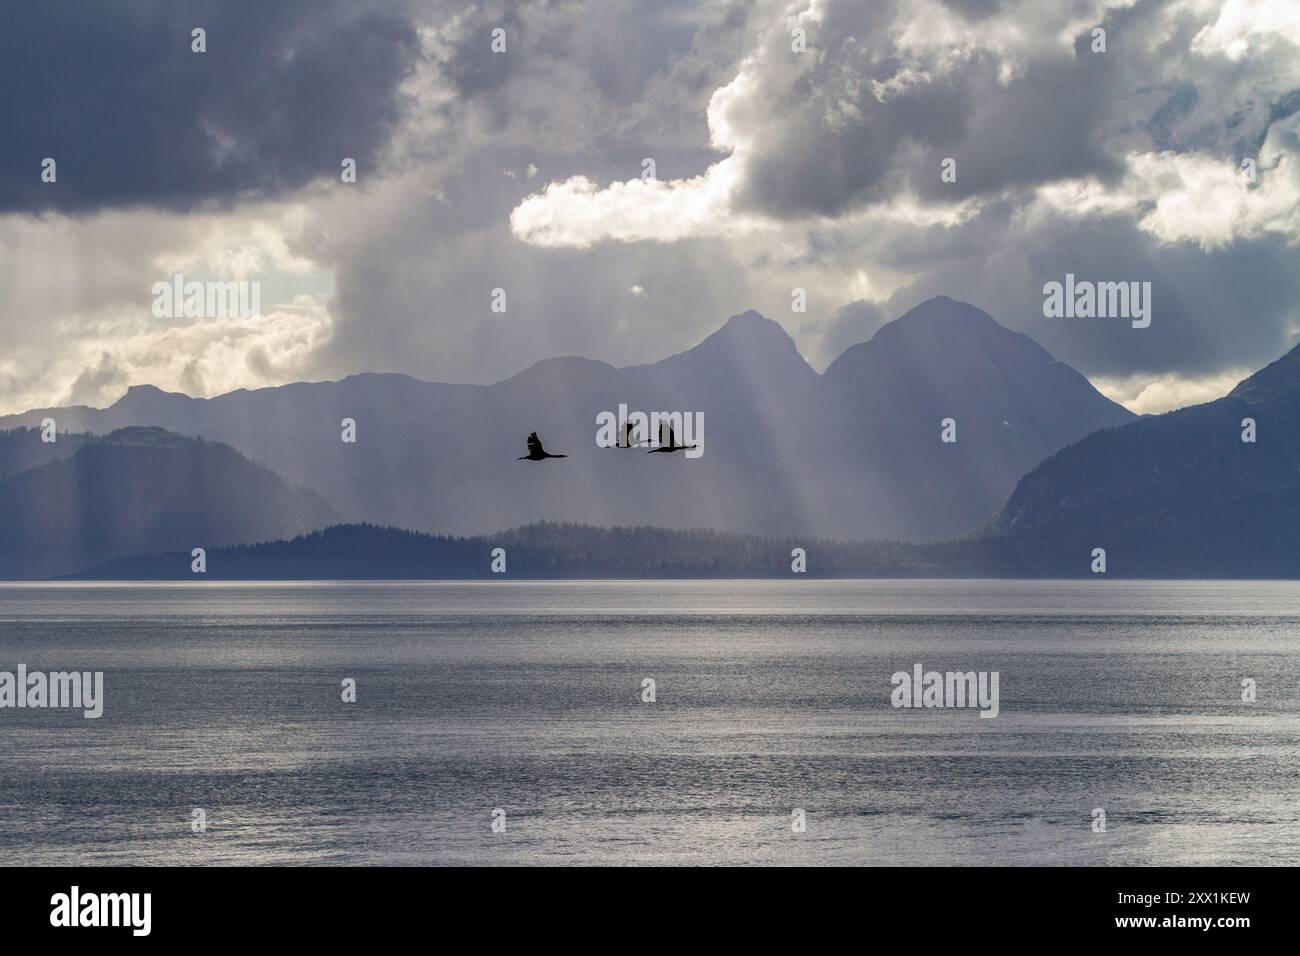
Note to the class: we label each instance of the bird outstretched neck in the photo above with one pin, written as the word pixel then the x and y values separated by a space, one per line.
pixel 535 450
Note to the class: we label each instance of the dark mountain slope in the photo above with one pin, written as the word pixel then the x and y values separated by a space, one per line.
pixel 143 490
pixel 1013 404
pixel 22 448
pixel 1176 491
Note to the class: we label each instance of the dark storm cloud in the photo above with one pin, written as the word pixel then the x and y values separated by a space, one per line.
pixel 113 93
pixel 866 123
pixel 830 162
pixel 609 82
pixel 619 44
pixel 974 9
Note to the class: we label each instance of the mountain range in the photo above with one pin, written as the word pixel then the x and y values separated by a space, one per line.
pixel 1044 471
pixel 855 452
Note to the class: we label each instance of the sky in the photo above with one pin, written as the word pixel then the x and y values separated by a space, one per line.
pixel 794 146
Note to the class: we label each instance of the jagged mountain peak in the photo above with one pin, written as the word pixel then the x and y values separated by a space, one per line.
pixel 751 319
pixel 749 346
pixel 147 396
pixel 939 330
pixel 752 328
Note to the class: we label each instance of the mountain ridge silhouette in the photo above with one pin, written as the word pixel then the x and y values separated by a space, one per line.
pixel 854 451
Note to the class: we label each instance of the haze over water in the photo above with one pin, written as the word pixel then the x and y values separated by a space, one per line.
pixel 770 696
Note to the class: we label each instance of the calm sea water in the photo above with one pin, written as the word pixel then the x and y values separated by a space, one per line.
pixel 771 696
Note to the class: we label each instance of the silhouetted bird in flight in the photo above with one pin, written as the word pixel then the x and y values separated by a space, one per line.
pixel 672 442
pixel 627 437
pixel 535 450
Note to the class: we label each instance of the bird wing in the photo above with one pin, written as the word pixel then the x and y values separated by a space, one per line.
pixel 534 444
